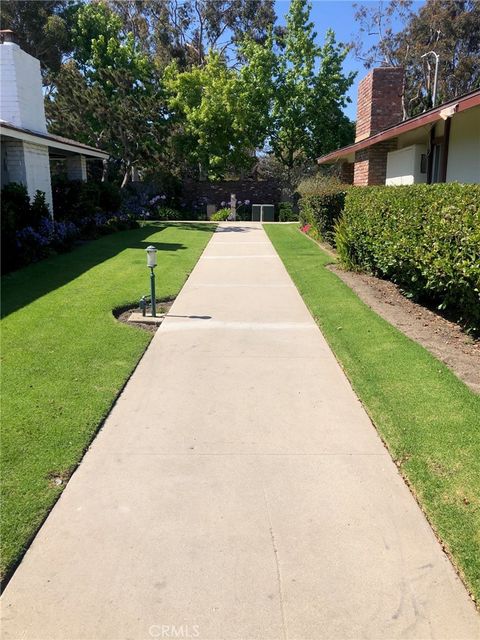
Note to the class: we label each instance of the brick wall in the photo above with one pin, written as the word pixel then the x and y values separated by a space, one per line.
pixel 371 163
pixel 257 191
pixel 379 103
pixel 346 172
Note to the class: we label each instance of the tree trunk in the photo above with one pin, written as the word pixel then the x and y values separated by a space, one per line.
pixel 126 176
pixel 104 170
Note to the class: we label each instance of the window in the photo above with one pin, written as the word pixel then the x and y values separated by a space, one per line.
pixel 435 161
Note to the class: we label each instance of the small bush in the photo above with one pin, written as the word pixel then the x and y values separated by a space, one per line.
pixel 165 213
pixel 425 238
pixel 16 209
pixel 321 205
pixel 221 215
pixel 286 212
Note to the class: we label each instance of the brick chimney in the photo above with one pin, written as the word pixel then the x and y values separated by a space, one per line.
pixel 7 35
pixel 379 107
pixel 379 104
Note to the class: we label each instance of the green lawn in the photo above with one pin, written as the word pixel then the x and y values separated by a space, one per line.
pixel 65 358
pixel 429 420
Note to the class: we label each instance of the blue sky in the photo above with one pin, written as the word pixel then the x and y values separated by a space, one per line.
pixel 337 15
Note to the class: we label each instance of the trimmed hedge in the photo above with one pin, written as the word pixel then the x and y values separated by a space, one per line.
pixel 425 238
pixel 321 205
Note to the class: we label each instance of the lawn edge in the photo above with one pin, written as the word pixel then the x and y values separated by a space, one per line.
pixel 443 544
pixel 9 572
pixel 13 566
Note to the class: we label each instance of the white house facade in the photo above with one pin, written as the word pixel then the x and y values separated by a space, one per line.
pixel 25 144
pixel 439 145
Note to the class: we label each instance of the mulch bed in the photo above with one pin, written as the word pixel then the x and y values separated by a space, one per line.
pixel 123 314
pixel 443 338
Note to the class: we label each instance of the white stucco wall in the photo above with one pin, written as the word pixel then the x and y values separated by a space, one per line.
pixel 37 166
pixel 21 96
pixel 403 165
pixel 464 147
pixel 13 162
pixel 27 164
pixel 76 168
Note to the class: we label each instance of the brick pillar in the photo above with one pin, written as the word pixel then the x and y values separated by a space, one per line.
pixel 77 168
pixel 346 172
pixel 371 163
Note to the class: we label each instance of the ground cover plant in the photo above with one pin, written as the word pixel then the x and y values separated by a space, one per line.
pixel 221 215
pixel 428 418
pixel 425 238
pixel 65 358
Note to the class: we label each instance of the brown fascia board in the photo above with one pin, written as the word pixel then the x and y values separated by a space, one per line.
pixel 467 102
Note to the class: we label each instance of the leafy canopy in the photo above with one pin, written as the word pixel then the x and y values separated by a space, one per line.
pixel 110 93
pixel 451 28
pixel 304 88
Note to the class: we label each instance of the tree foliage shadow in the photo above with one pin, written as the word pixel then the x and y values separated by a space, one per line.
pixel 22 287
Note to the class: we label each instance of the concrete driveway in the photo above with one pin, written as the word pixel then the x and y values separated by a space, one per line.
pixel 238 490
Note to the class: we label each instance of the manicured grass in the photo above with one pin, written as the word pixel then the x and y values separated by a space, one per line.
pixel 428 418
pixel 65 358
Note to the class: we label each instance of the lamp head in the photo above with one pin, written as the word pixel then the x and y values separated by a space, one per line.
pixel 151 256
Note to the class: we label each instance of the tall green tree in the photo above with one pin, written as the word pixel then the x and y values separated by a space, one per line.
pixel 451 28
pixel 209 128
pixel 42 29
pixel 288 94
pixel 305 89
pixel 186 31
pixel 110 94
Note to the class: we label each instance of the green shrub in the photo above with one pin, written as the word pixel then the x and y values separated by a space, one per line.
pixel 73 198
pixel 221 215
pixel 286 212
pixel 18 213
pixel 38 208
pixel 16 209
pixel 425 238
pixel 166 213
pixel 321 205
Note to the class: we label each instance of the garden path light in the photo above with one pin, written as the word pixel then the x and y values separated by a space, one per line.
pixel 151 264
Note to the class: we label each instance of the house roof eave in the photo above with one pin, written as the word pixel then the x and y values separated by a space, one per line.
pixel 462 104
pixel 54 142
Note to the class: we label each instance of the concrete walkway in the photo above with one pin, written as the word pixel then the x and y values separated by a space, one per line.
pixel 237 490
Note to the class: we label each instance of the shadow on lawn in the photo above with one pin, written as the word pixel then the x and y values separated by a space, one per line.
pixel 22 287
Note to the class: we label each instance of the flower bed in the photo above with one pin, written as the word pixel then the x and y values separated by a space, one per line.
pixel 30 234
pixel 33 244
